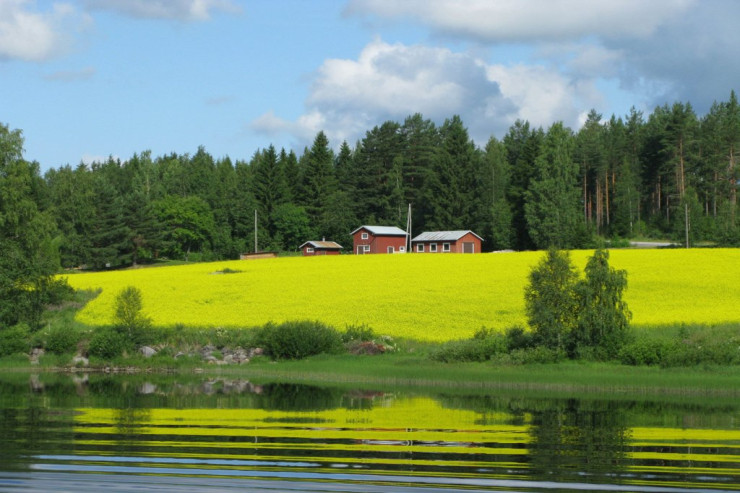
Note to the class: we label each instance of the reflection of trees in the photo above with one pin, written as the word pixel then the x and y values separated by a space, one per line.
pixel 298 397
pixel 129 421
pixel 27 427
pixel 579 440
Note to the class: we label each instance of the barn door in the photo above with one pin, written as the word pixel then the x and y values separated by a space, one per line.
pixel 468 247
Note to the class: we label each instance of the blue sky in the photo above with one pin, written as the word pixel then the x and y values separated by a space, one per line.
pixel 88 79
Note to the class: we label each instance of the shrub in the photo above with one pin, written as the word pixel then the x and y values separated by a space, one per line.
pixel 14 340
pixel 61 340
pixel 481 347
pixel 644 352
pixel 538 354
pixel 108 343
pixel 518 338
pixel 58 291
pixel 360 333
pixel 298 339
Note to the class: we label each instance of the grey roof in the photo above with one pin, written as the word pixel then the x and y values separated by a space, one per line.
pixel 332 245
pixel 444 235
pixel 382 230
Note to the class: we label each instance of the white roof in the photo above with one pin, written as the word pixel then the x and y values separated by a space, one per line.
pixel 382 230
pixel 323 244
pixel 444 235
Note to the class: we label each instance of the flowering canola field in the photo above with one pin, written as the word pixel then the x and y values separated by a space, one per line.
pixel 425 297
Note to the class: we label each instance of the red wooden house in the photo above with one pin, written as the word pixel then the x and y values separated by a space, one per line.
pixel 323 247
pixel 447 242
pixel 379 239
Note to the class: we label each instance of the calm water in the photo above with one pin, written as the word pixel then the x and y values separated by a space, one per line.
pixel 98 433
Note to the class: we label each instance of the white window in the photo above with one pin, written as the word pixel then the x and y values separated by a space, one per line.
pixel 364 236
pixel 445 247
pixel 309 250
pixel 402 249
pixel 420 247
pixel 367 248
pixel 433 247
pixel 390 249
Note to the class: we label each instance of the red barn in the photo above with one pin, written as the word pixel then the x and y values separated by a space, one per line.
pixel 447 242
pixel 312 248
pixel 379 239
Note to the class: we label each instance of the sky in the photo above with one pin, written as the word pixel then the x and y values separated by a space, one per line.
pixel 89 79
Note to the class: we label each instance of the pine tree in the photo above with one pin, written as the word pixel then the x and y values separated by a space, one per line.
pixel 522 147
pixel 375 159
pixel 493 213
pixel 450 187
pixel 320 181
pixel 269 187
pixel 552 208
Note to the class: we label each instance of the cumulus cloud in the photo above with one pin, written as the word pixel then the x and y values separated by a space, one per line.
pixel 29 34
pixel 660 51
pixel 181 10
pixel 527 20
pixel 393 81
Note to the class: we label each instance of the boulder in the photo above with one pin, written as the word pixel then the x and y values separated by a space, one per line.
pixel 147 351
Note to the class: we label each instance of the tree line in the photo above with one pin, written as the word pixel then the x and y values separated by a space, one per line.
pixel 660 175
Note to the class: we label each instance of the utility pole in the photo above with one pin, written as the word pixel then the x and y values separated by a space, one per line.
pixel 686 221
pixel 255 231
pixel 408 231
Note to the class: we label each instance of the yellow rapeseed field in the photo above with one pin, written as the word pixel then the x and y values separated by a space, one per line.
pixel 426 297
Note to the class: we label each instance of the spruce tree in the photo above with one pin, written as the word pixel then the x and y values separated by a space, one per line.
pixel 552 201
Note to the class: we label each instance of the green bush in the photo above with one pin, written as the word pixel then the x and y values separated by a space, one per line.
pixel 481 347
pixel 298 339
pixel 538 354
pixel 644 352
pixel 61 340
pixel 361 332
pixel 108 343
pixel 58 291
pixel 518 338
pixel 14 340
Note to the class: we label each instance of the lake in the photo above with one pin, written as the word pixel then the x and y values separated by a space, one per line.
pixel 200 433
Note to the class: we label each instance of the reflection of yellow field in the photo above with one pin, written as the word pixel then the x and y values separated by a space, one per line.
pixel 418 425
pixel 406 432
pixel 431 297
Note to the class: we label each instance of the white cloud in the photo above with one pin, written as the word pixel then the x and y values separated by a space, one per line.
pixel 181 10
pixel 528 20
pixel 29 34
pixel 659 51
pixel 393 81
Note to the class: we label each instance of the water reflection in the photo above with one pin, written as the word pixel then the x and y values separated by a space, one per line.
pixel 223 433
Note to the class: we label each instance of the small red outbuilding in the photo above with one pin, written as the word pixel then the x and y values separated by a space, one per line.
pixel 312 248
pixel 379 239
pixel 447 242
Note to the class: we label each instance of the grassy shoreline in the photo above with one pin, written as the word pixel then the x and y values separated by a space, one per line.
pixel 565 377
pixel 411 371
pixel 407 365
